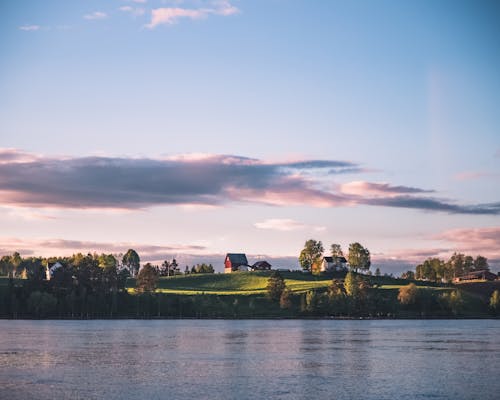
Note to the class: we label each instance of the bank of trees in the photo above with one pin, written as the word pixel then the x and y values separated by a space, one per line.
pixel 437 270
pixel 311 256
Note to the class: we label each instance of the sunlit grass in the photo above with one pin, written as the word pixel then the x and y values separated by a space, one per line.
pixel 241 283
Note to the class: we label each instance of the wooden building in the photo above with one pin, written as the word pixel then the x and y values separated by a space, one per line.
pixel 236 262
pixel 483 275
pixel 261 266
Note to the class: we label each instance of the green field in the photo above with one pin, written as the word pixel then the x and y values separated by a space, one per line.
pixel 239 283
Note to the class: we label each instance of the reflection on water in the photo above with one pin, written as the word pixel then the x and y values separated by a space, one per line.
pixel 299 359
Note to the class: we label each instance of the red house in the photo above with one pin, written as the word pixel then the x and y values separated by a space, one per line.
pixel 235 262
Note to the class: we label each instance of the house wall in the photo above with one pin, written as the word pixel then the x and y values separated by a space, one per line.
pixel 227 266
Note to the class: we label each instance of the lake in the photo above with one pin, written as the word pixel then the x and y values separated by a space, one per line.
pixel 251 359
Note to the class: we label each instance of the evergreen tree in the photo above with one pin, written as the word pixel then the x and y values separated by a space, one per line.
pixel 275 286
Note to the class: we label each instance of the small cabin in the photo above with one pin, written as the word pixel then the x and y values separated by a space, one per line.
pixel 331 264
pixel 261 266
pixel 235 262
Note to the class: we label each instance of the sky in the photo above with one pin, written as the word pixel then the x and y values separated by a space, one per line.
pixel 192 128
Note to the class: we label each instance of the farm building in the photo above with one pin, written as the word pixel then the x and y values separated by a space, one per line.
pixel 261 266
pixel 483 275
pixel 236 262
pixel 331 264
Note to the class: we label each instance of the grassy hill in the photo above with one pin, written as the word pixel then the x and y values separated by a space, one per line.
pixel 239 283
pixel 252 283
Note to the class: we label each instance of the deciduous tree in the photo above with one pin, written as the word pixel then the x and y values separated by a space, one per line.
pixel 359 257
pixel 132 261
pixel 147 279
pixel 311 254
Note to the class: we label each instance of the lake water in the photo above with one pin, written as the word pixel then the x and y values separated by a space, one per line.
pixel 272 359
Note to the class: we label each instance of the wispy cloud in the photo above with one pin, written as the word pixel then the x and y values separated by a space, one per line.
pixel 29 27
pixel 96 15
pixel 473 240
pixel 362 188
pixel 170 15
pixel 475 175
pixel 136 11
pixel 63 247
pixel 131 183
pixel 184 254
pixel 286 225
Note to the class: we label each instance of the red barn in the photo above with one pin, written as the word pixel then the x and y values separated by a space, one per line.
pixel 234 261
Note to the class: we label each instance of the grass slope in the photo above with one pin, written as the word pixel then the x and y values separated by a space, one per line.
pixel 241 283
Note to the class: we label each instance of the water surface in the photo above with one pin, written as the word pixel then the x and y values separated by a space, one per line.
pixel 206 359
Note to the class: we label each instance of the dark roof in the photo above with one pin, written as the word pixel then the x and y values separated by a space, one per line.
pixel 473 274
pixel 261 264
pixel 335 259
pixel 237 258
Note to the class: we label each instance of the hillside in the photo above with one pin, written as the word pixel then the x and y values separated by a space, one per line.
pixel 240 283
pixel 251 283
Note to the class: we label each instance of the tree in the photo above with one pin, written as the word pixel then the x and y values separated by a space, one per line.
pixel 409 275
pixel 311 254
pixel 377 272
pixel 359 257
pixel 311 301
pixel 351 284
pixel 165 268
pixel 495 301
pixel 336 250
pixel 286 299
pixel 275 286
pixel 132 261
pixel 15 262
pixel 174 266
pixel 408 294
pixel 481 263
pixel 336 297
pixel 147 279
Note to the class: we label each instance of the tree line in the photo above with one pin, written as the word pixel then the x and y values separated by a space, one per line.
pixel 437 270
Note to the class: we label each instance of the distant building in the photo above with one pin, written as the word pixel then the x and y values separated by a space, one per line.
pixel 483 275
pixel 332 264
pixel 51 268
pixel 235 262
pixel 261 266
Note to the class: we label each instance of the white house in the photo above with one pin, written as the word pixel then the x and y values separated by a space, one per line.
pixel 51 268
pixel 331 264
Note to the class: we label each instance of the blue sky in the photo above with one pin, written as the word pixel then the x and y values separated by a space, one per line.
pixel 404 94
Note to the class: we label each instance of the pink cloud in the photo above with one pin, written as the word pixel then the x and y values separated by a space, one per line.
pixel 64 247
pixel 474 175
pixel 474 240
pixel 363 188
pixel 170 15
pixel 287 225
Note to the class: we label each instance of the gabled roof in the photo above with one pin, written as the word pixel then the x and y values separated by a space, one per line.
pixel 237 258
pixel 261 264
pixel 335 259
